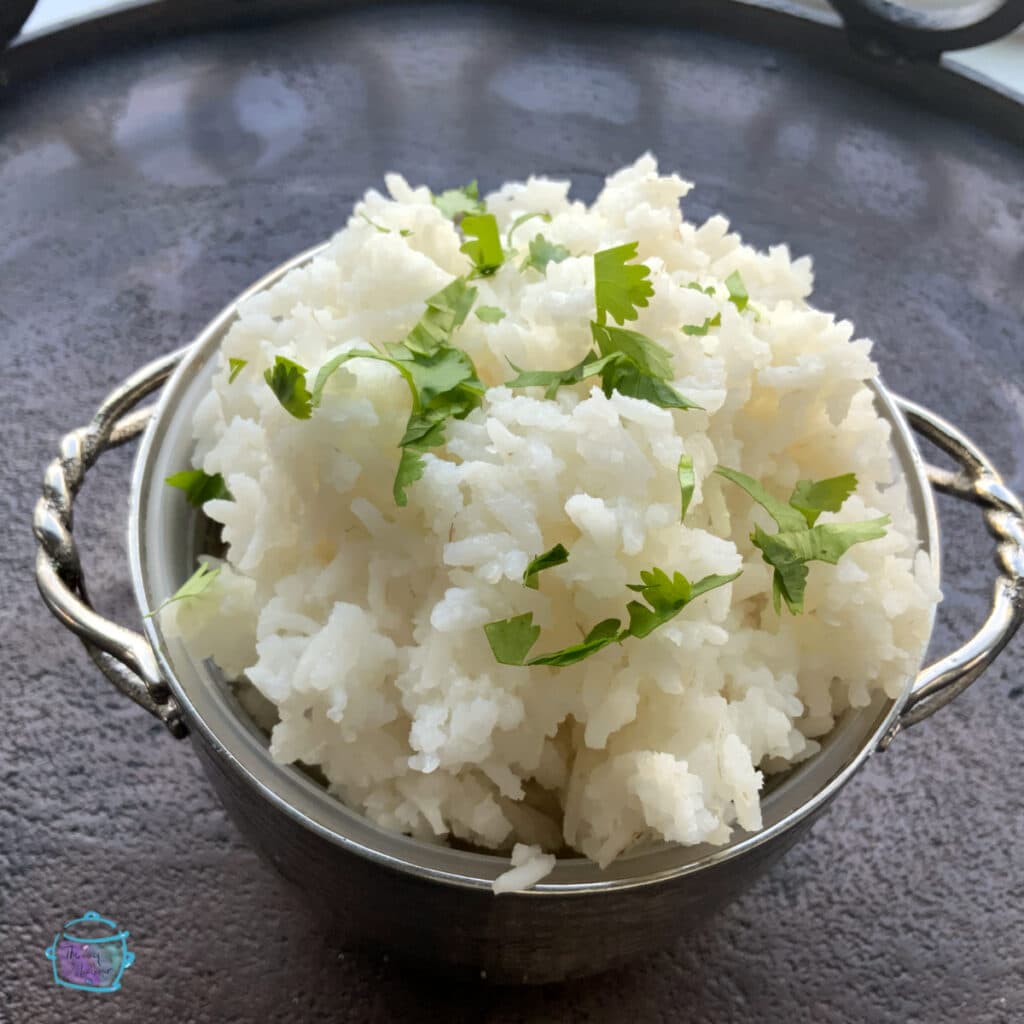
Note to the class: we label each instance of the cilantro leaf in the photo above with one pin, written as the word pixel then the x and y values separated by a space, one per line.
pixel 200 487
pixel 558 555
pixel 446 311
pixel 410 469
pixel 543 252
pixel 511 639
pixel 788 552
pixel 787 517
pixel 812 498
pixel 195 585
pixel 484 246
pixel 442 379
pixel 627 361
pixel 373 224
pixel 236 366
pixel 642 372
pixel 648 356
pixel 454 202
pixel 618 288
pixel 522 219
pixel 604 633
pixel 552 380
pixel 737 291
pixel 696 287
pixel 490 314
pixel 700 330
pixel 624 377
pixel 667 598
pixel 288 381
pixel 687 482
pixel 798 540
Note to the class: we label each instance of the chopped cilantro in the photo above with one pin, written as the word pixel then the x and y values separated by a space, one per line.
pixel 200 487
pixel 288 381
pixel 511 639
pixel 454 202
pixel 410 469
pixel 558 555
pixel 737 291
pixel 195 585
pixel 489 314
pixel 696 287
pixel 522 219
pixel 236 366
pixel 604 633
pixel 687 482
pixel 373 224
pixel 627 361
pixel 543 252
pixel 552 380
pixel 405 232
pixel 667 598
pixel 643 371
pixel 484 245
pixel 442 380
pixel 702 329
pixel 619 288
pixel 798 540
pixel 811 498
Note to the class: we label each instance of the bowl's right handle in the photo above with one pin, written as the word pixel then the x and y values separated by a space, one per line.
pixel 976 481
pixel 123 655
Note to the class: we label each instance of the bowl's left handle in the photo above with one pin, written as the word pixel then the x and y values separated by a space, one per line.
pixel 123 655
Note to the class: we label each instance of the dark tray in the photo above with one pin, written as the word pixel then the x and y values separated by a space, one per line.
pixel 154 162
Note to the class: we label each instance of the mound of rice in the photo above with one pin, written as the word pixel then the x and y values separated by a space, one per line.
pixel 362 622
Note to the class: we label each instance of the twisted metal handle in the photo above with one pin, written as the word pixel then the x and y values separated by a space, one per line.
pixel 978 482
pixel 889 30
pixel 123 655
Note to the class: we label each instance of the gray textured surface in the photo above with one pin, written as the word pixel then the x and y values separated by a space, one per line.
pixel 138 195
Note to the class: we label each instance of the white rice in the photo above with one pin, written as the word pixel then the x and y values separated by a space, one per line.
pixel 363 622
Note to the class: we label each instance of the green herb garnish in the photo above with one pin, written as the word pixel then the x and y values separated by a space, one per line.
pixel 522 219
pixel 373 224
pixel 687 482
pixel 484 244
pixel 441 378
pixel 702 329
pixel 454 202
pixel 195 585
pixel 200 487
pixel 489 314
pixel 619 288
pixel 543 252
pixel 236 366
pixel 511 639
pixel 552 380
pixel 798 540
pixel 627 361
pixel 737 291
pixel 642 370
pixel 558 555
pixel 287 380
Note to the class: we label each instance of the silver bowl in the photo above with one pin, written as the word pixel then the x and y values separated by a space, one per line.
pixel 434 903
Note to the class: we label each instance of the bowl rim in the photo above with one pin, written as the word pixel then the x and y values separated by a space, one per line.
pixel 310 805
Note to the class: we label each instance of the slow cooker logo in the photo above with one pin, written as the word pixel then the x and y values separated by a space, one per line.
pixel 90 953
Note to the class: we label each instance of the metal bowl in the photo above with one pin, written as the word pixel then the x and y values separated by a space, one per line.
pixel 434 902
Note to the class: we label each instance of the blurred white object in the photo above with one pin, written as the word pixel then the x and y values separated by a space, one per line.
pixel 1002 61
